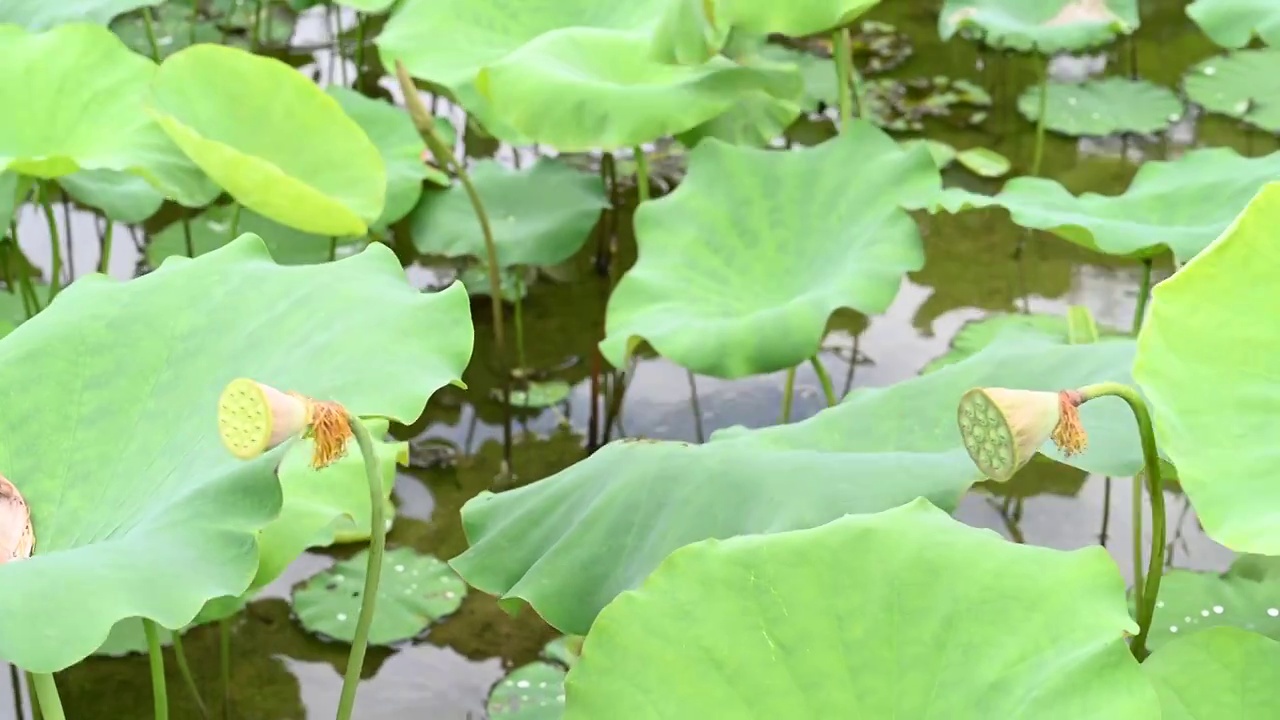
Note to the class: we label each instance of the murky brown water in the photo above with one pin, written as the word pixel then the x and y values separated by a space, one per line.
pixel 281 672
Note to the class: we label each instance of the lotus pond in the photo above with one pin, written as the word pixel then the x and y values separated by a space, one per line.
pixel 663 359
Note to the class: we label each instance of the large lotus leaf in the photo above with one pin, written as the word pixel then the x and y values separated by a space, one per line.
pixel 919 415
pixel 1220 674
pixel 1233 23
pixel 1192 602
pixel 976 335
pixel 692 31
pixel 737 274
pixel 1242 85
pixel 39 15
pixel 568 544
pixel 1102 107
pixel 540 215
pixel 1181 204
pixel 211 230
pixel 82 95
pixel 1205 361
pixel 392 132
pixel 138 509
pixel 1043 26
pixel 271 138
pixel 904 614
pixel 120 196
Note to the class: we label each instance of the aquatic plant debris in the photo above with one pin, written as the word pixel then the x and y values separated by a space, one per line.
pixel 17 539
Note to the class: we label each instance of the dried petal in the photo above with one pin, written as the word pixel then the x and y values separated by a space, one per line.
pixel 17 538
pixel 330 427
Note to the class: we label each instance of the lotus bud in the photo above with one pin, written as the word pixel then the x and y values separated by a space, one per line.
pixel 17 539
pixel 1003 429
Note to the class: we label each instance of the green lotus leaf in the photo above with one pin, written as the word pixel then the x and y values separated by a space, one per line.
pixel 1102 107
pixel 1208 373
pixel 943 154
pixel 1192 602
pixel 82 95
pixel 540 215
pixel 756 120
pixel 817 75
pixel 925 617
pixel 919 415
pixel 37 15
pixel 367 6
pixel 476 279
pixel 568 544
pixel 1180 204
pixel 976 335
pixel 535 691
pixel 271 138
pixel 1219 673
pixel 223 22
pixel 984 162
pixel 1233 23
pixel 138 509
pixel 120 196
pixel 538 394
pixel 392 132
pixel 416 590
pixel 1241 84
pixel 1044 26
pixel 211 230
pixel 737 276
pixel 693 31
pixel 317 503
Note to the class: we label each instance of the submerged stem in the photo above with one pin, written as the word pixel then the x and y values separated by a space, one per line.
pixel 827 388
pixel 642 174
pixel 224 663
pixel 188 678
pixel 1144 293
pixel 159 692
pixel 1038 158
pixel 55 244
pixel 844 74
pixel 1151 459
pixel 46 693
pixel 787 391
pixel 377 544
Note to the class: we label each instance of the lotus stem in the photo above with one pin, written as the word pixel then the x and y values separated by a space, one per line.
pixel 828 389
pixel 186 237
pixel 519 320
pixel 254 42
pixel 642 174
pixel 46 692
pixel 30 301
pixel 696 407
pixel 55 244
pixel 377 544
pixel 188 678
pixel 235 223
pixel 853 365
pixel 1144 293
pixel 158 690
pixel 333 248
pixel 15 681
pixel 191 26
pixel 1038 158
pixel 840 43
pixel 1151 459
pixel 788 390
pixel 66 223
pixel 224 661
pixel 1135 529
pixel 1106 511
pixel 104 246
pixel 359 53
pixel 149 24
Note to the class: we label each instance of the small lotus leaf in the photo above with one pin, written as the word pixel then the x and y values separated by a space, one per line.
pixel 120 196
pixel 415 591
pixel 1180 204
pixel 1217 674
pixel 693 31
pixel 737 276
pixel 925 617
pixel 1206 364
pixel 301 161
pixel 943 154
pixel 1102 107
pixel 540 215
pixel 392 132
pixel 984 162
pixel 530 692
pixel 976 335
pixel 1043 26
pixel 538 394
pixel 1242 85
pixel 1191 602
pixel 1233 23
pixel 138 509
pixel 37 15
pixel 476 279
pixel 211 230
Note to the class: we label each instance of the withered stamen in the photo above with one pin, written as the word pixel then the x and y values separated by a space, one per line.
pixel 1069 434
pixel 330 428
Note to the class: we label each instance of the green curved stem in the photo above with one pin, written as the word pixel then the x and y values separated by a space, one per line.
pixel 1144 293
pixel 149 24
pixel 1038 158
pixel 1135 528
pixel 844 74
pixel 1151 590
pixel 104 259
pixel 55 244
pixel 188 678
pixel 46 692
pixel 159 692
pixel 377 544
pixel 788 391
pixel 642 174
pixel 827 388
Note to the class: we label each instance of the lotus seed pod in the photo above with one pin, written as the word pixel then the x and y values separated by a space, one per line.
pixel 253 418
pixel 17 539
pixel 1003 429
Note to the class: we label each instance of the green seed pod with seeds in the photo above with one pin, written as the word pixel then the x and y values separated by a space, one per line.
pixel 253 418
pixel 1003 429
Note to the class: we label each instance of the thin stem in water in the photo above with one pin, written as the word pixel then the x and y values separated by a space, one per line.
pixel 642 174
pixel 15 681
pixel 828 389
pixel 46 693
pixel 1038 158
pixel 696 407
pixel 188 678
pixel 149 25
pixel 235 223
pixel 844 74
pixel 159 691
pixel 186 234
pixel 1151 460
pixel 1106 511
pixel 1144 292
pixel 788 390
pixel 55 243
pixel 519 320
pixel 377 544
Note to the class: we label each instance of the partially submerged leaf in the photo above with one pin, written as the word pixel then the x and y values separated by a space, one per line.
pixel 984 162
pixel 942 153
pixel 1233 23
pixel 923 617
pixel 535 691
pixel 1103 107
pixel 1218 674
pixel 1240 85
pixel 1043 26
pixel 537 394
pixel 1209 375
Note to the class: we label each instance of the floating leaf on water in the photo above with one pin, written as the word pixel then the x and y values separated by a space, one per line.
pixel 944 604
pixel 903 105
pixel 302 162
pixel 1192 602
pixel 38 15
pixel 16 536
pixel 416 591
pixel 211 230
pixel 942 153
pixel 1043 26
pixel 984 162
pixel 877 47
pixel 751 300
pixel 537 393
pixel 1233 23
pixel 476 279
pixel 976 335
pixel 1182 204
pixel 536 691
pixel 1219 673
pixel 122 197
pixel 182 527
pixel 1208 374
pixel 1102 107
pixel 540 215
pixel 1241 85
